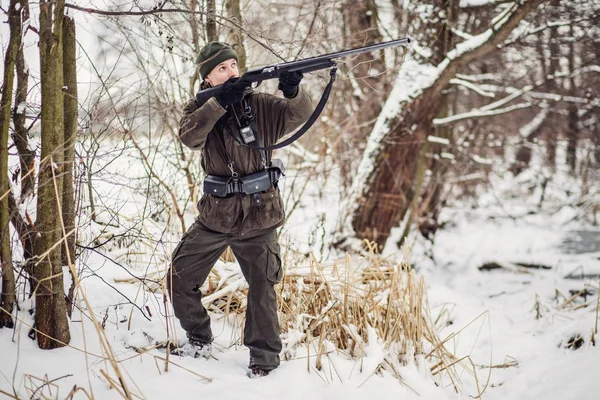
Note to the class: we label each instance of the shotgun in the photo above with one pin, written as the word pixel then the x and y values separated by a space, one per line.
pixel 305 65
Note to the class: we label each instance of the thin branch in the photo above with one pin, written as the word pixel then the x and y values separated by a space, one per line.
pixel 480 113
pixel 547 25
pixel 471 86
pixel 493 108
pixel 230 21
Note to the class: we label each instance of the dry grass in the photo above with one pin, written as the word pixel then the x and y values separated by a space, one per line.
pixel 345 305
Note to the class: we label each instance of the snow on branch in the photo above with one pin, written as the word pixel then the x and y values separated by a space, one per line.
pixel 493 108
pixel 480 113
pixel 437 139
pixel 478 77
pixel 541 28
pixel 430 81
pixel 491 38
pixel 462 34
pixel 526 130
pixel 479 3
pixel 471 86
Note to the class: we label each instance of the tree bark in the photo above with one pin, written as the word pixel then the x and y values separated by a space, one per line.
pixel 70 121
pixel 19 136
pixel 195 30
pixel 573 117
pixel 389 164
pixel 360 18
pixel 554 119
pixel 429 210
pixel 50 314
pixel 8 297
pixel 211 24
pixel 370 78
pixel 235 37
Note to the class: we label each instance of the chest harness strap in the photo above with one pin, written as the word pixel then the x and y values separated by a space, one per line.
pixel 224 186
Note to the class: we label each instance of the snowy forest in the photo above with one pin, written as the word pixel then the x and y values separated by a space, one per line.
pixel 441 237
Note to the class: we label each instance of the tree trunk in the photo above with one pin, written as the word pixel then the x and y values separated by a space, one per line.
pixel 50 314
pixel 7 299
pixel 529 134
pixel 70 118
pixel 360 18
pixel 554 119
pixel 388 167
pixel 235 37
pixel 195 30
pixel 596 112
pixel 211 24
pixel 19 136
pixel 371 81
pixel 429 210
pixel 573 117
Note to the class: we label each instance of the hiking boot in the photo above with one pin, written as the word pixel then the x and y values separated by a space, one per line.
pixel 192 348
pixel 257 372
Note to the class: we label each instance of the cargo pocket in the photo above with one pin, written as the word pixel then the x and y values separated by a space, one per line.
pixel 269 212
pixel 219 213
pixel 180 244
pixel 274 265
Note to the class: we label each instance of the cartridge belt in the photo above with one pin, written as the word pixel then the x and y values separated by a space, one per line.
pixel 223 186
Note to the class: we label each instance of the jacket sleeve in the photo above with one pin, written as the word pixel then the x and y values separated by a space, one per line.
pixel 287 114
pixel 197 122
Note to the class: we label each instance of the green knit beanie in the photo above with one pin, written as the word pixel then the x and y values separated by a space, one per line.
pixel 212 55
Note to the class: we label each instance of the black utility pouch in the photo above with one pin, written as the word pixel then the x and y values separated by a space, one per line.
pixel 256 182
pixel 277 164
pixel 276 170
pixel 216 185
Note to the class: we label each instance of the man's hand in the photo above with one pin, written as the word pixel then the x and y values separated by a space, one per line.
pixel 289 82
pixel 232 91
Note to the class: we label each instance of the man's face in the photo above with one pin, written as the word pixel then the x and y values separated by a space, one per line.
pixel 222 72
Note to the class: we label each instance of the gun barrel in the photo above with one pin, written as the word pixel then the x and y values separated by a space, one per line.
pixel 307 64
pixel 359 50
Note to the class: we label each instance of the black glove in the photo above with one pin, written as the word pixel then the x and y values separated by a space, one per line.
pixel 232 91
pixel 289 82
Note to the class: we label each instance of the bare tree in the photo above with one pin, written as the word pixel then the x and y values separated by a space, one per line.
pixel 70 123
pixel 369 82
pixel 235 37
pixel 50 309
pixel 211 23
pixel 391 159
pixel 27 170
pixel 7 299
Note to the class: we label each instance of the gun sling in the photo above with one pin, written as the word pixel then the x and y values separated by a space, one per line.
pixel 318 109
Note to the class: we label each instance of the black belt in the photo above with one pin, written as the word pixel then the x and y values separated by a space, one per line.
pixel 223 186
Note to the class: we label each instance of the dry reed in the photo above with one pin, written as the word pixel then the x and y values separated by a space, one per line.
pixel 340 304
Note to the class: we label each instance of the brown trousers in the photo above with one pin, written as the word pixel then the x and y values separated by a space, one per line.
pixel 260 262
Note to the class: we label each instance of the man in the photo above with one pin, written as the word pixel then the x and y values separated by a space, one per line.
pixel 234 214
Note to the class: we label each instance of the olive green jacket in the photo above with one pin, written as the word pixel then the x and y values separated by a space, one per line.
pixel 200 128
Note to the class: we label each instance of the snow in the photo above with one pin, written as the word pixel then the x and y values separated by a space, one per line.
pixel 514 319
pixel 534 124
pixel 476 3
pixel 439 140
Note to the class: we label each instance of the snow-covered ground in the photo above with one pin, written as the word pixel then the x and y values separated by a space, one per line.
pixel 521 320
pixel 511 324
